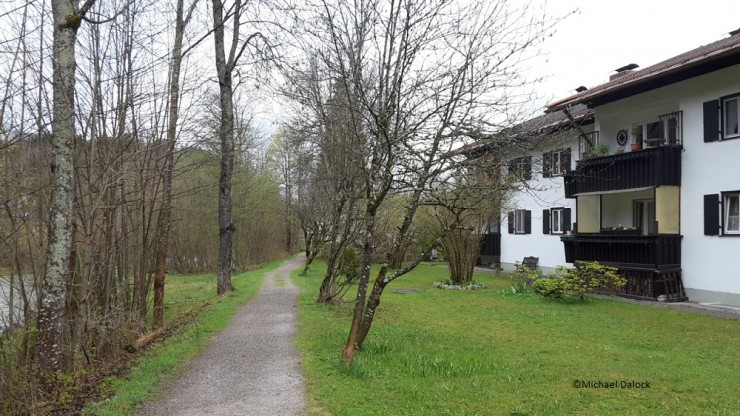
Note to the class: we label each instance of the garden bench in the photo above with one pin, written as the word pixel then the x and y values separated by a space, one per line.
pixel 530 262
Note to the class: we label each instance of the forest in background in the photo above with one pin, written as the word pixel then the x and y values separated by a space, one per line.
pixel 132 147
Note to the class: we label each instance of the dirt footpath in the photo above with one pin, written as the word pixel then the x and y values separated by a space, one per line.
pixel 252 367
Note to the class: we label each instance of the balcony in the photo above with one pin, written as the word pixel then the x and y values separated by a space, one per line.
pixel 651 263
pixel 649 167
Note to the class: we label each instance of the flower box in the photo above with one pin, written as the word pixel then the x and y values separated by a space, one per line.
pixel 621 231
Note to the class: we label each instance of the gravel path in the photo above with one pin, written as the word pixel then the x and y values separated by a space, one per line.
pixel 252 367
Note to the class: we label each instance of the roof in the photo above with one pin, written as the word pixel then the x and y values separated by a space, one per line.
pixel 702 60
pixel 547 123
pixel 556 120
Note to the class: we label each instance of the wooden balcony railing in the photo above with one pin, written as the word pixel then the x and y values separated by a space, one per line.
pixel 651 264
pixel 654 166
pixel 491 245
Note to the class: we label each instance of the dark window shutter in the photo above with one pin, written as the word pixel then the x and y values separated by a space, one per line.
pixel 566 219
pixel 711 121
pixel 527 174
pixel 711 214
pixel 565 160
pixel 527 222
pixel 510 219
pixel 546 162
pixel 545 221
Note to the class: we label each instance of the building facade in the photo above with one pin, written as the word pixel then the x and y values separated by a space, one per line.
pixel 663 205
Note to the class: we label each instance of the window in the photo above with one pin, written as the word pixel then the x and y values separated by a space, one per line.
pixel 721 118
pixel 520 221
pixel 555 220
pixel 521 167
pixel 730 117
pixel 643 216
pixel 587 142
pixel 555 163
pixel 672 126
pixel 732 213
pixel 666 130
pixel 722 214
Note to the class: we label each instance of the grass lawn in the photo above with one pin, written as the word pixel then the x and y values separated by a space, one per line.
pixel 165 361
pixel 489 352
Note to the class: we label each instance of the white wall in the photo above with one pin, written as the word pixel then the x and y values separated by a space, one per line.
pixel 711 264
pixel 543 193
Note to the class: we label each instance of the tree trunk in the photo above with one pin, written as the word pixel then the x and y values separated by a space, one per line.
pixel 166 217
pixel 226 136
pixel 52 323
pixel 372 305
pixel 309 261
pixel 350 347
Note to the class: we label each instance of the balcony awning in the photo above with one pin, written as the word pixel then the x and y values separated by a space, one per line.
pixel 618 191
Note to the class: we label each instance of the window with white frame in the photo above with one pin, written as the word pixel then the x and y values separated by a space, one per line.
pixel 556 221
pixel 521 167
pixel 556 163
pixel 520 220
pixel 730 117
pixel 731 208
pixel 666 130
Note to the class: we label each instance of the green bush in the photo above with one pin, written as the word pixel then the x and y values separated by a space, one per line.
pixel 550 287
pixel 588 276
pixel 526 276
pixel 580 281
pixel 349 264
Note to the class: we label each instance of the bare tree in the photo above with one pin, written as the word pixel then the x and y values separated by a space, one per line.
pixel 415 76
pixel 225 67
pixel 68 15
pixel 182 18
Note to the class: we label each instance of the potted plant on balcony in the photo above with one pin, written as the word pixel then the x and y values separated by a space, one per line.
pixel 619 230
pixel 601 149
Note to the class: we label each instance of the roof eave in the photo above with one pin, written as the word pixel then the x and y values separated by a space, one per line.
pixel 602 95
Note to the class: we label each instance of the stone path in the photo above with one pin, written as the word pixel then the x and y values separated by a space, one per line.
pixel 252 367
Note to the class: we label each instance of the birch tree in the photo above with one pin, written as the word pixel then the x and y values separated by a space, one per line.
pixel 67 18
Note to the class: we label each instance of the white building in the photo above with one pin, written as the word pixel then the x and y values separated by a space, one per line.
pixel 667 212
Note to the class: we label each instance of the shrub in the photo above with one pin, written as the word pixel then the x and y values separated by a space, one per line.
pixel 550 287
pixel 580 281
pixel 526 275
pixel 587 277
pixel 349 264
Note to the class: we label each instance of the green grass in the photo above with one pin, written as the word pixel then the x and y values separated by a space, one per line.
pixel 489 352
pixel 164 362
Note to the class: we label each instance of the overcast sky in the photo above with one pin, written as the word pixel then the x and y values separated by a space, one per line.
pixel 604 35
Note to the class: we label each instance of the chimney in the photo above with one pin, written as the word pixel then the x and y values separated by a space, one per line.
pixel 734 32
pixel 628 69
pixel 581 89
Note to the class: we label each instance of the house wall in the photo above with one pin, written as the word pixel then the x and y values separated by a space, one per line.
pixel 668 209
pixel 541 193
pixel 710 264
pixel 589 208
